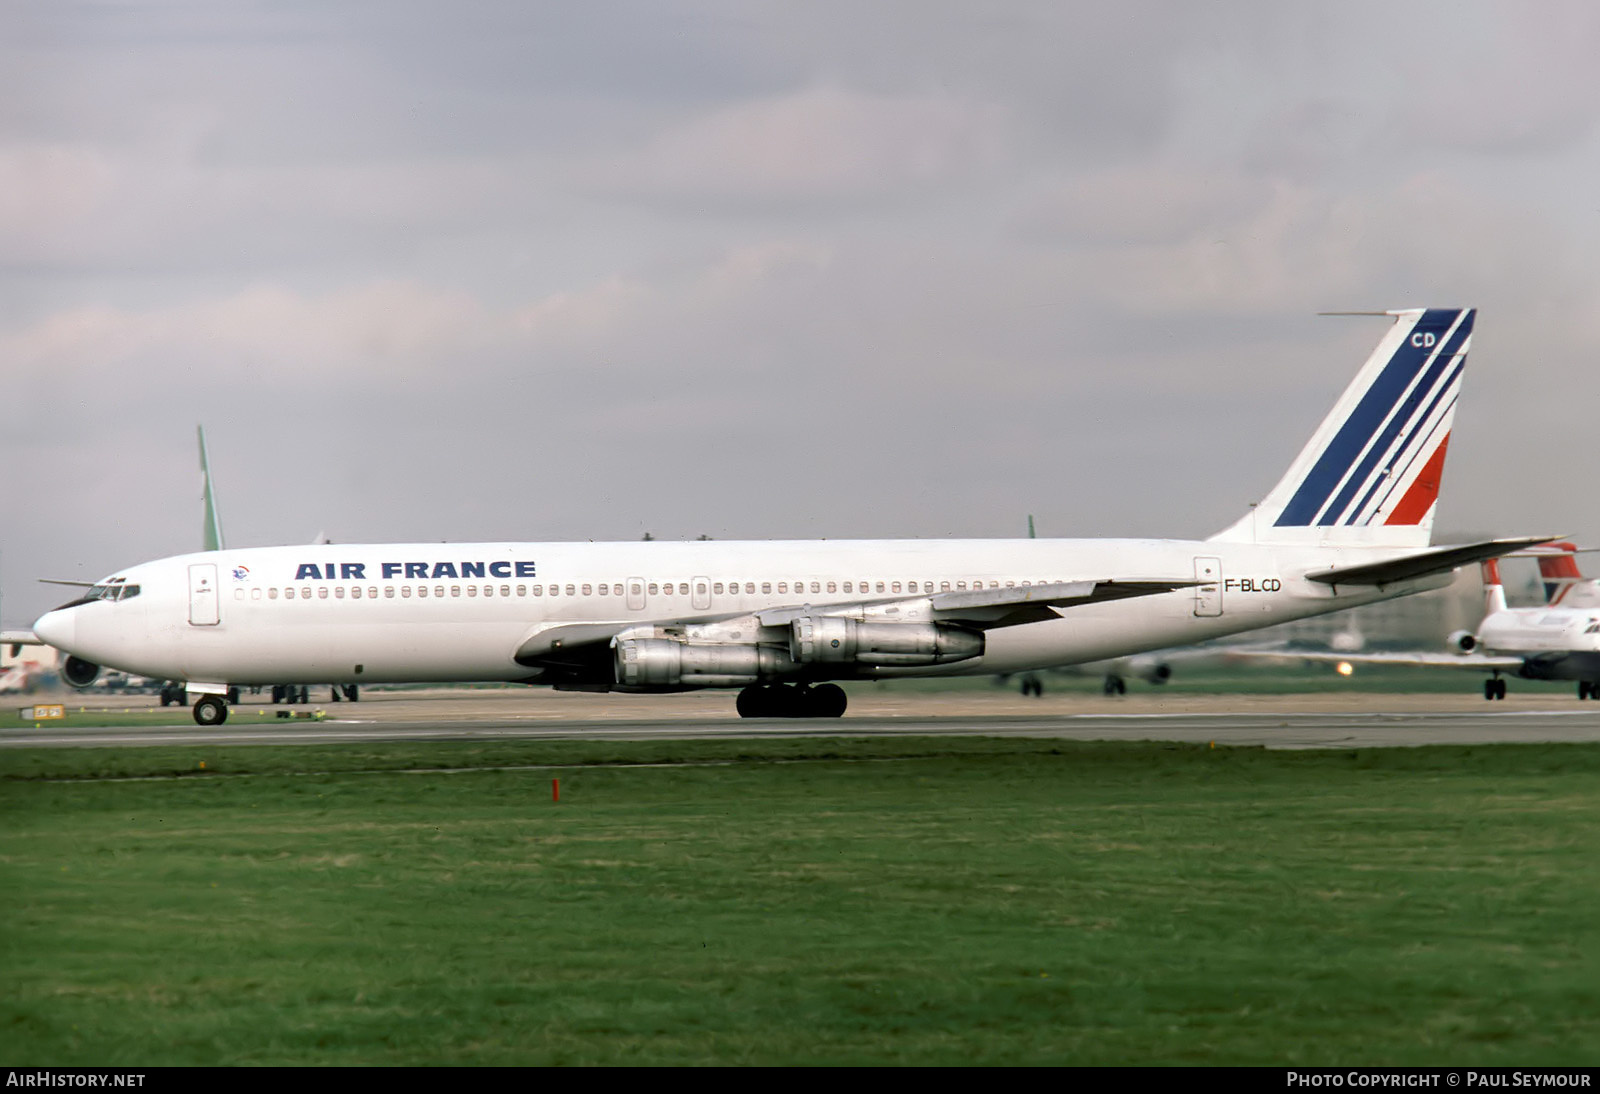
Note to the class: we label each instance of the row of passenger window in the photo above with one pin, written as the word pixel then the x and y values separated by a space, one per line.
pixel 717 588
pixel 371 591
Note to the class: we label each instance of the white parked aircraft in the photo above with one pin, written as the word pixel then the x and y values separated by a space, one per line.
pixel 1558 641
pixel 25 676
pixel 1347 525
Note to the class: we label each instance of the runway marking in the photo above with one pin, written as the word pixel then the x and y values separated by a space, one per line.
pixel 1412 714
pixel 1269 729
pixel 601 766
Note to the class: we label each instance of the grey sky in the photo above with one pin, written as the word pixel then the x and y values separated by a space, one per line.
pixel 527 271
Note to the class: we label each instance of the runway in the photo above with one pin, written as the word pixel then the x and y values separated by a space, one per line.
pixel 1290 721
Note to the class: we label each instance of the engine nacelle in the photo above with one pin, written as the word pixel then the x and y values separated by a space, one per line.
pixel 78 672
pixel 1462 641
pixel 832 640
pixel 667 662
pixel 1157 672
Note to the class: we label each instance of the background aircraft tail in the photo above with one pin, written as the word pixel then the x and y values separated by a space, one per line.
pixel 1564 584
pixel 1494 593
pixel 210 520
pixel 1370 474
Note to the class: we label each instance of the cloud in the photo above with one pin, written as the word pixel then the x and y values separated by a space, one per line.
pixel 826 145
pixel 822 269
pixel 47 190
pixel 1512 89
pixel 1132 205
pixel 389 338
pixel 1299 247
pixel 115 364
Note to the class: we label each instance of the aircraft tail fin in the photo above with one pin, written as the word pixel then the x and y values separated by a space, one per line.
pixel 1564 584
pixel 211 522
pixel 1494 593
pixel 1370 474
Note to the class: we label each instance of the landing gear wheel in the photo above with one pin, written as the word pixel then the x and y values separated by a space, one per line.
pixel 789 701
pixel 1032 685
pixel 1586 690
pixel 1115 685
pixel 210 710
pixel 1494 689
pixel 825 701
pixel 757 701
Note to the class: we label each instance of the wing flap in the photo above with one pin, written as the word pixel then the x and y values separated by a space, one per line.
pixel 990 608
pixel 985 608
pixel 15 640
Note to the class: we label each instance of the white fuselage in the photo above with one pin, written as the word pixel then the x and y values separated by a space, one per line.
pixel 461 612
pixel 1555 643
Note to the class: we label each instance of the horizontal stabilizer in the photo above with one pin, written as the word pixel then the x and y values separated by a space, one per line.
pixel 1424 563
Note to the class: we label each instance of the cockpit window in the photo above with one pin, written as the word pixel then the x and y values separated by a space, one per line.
pixel 115 589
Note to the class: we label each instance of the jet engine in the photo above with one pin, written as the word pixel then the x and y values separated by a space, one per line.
pixel 667 662
pixel 1462 641
pixel 78 672
pixel 1157 672
pixel 832 640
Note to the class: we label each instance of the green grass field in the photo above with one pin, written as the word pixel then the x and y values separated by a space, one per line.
pixel 847 901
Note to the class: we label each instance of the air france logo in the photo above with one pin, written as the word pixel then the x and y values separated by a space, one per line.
pixel 414 571
pixel 241 573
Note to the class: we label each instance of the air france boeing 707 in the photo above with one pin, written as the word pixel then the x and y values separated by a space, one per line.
pixel 1348 524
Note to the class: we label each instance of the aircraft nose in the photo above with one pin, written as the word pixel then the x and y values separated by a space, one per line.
pixel 58 628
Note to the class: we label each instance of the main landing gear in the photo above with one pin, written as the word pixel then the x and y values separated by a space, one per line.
pixel 1494 688
pixel 210 710
pixel 791 701
pixel 1587 690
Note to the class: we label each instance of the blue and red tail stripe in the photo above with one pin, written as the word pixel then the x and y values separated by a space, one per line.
pixel 1416 386
pixel 1559 572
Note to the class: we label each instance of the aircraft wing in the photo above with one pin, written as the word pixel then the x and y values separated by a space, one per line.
pixel 1478 662
pixel 18 639
pixel 1436 560
pixel 986 609
pixel 980 609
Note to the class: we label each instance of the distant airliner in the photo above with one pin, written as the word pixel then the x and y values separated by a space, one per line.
pixel 1558 641
pixel 1347 525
